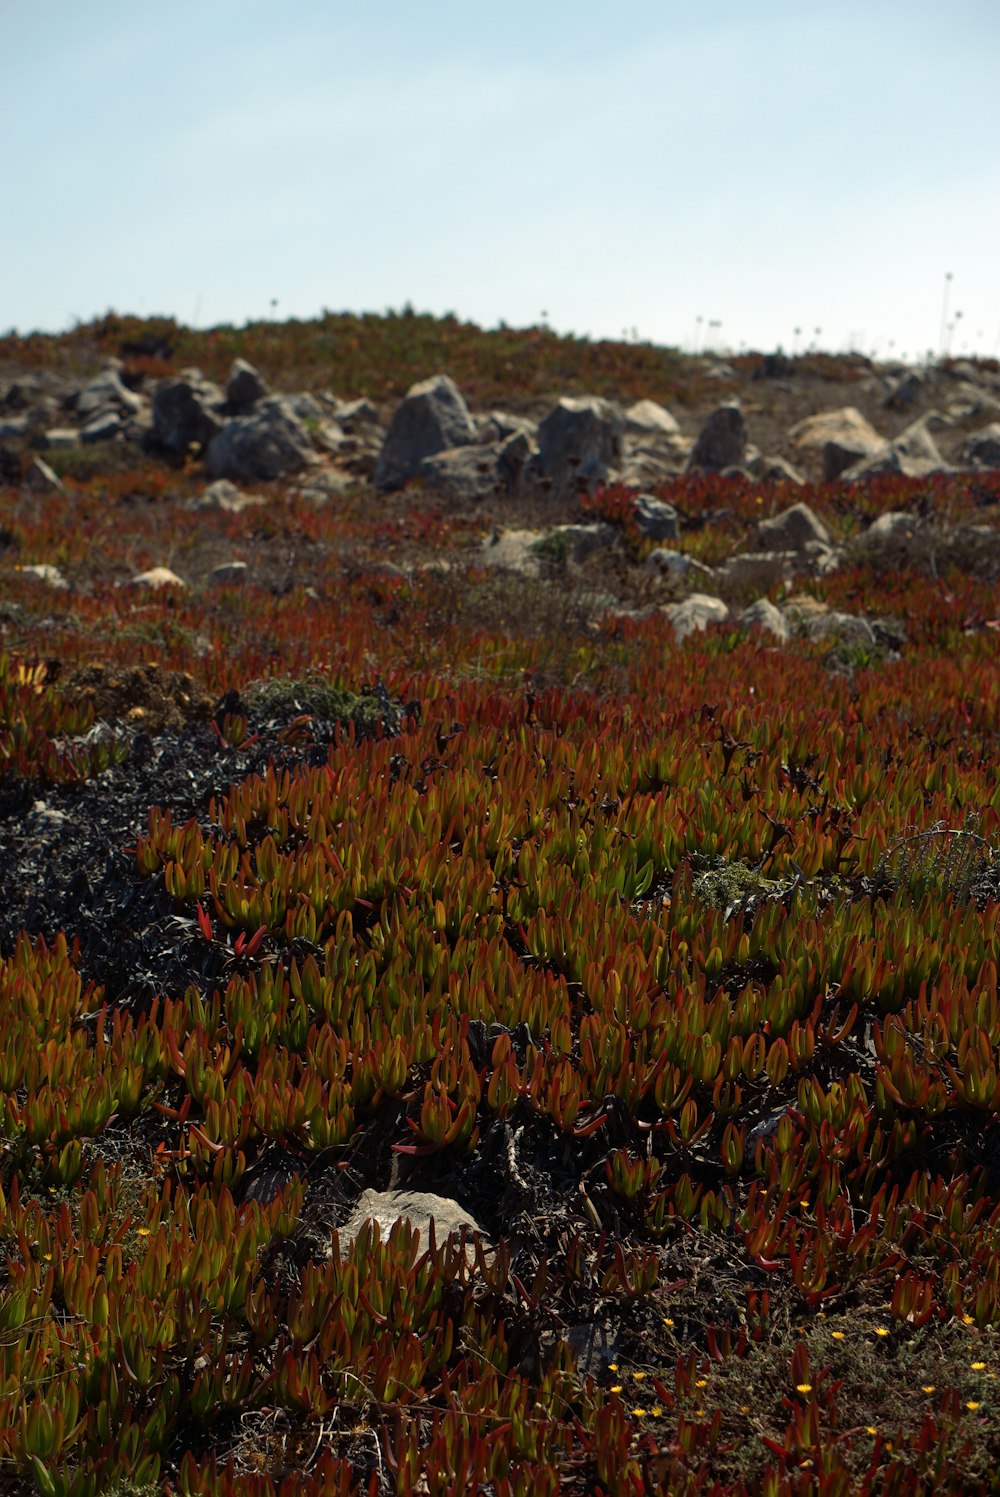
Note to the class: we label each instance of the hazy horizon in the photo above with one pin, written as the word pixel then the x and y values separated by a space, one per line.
pixel 691 175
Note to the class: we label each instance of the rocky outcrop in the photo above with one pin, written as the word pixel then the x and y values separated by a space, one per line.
pixel 244 387
pixel 795 529
pixel 695 613
pixel 656 519
pixel 842 437
pixel 722 441
pixel 269 443
pixel 579 445
pixel 425 1212
pixel 647 419
pixel 187 414
pixel 982 450
pixel 432 418
pixel 106 393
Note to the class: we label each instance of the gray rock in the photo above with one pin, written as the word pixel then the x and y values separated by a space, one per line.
pixel 676 564
pixel 982 449
pixel 355 415
pixel 156 578
pixel 513 459
pixel 499 425
pixel 186 414
pixel 656 519
pixel 44 479
pixel 774 469
pixel 463 474
pixel 647 418
pixel 244 387
pixel 579 445
pixel 15 427
pixel 760 569
pixel 307 407
pixel 792 530
pixel 323 484
pixel 530 553
pixel 917 445
pixel 645 467
pixel 268 443
pixel 846 627
pixel 102 428
pixel 61 439
pixel 906 391
pixel 224 497
pixel 45 572
pixel 432 418
pixel 722 440
pixel 421 1208
pixel 106 392
pixel 842 437
pixel 896 458
pixel 764 615
pixel 695 613
pixel 892 525
pixel 229 574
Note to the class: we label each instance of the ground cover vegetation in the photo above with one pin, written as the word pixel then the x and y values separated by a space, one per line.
pixel 673 962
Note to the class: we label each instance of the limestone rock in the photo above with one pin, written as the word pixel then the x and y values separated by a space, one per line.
pixel 43 479
pixel 61 439
pixel 229 574
pixel 579 444
pixel 156 578
pixel 532 553
pixel 906 390
pixel 775 469
pixel 497 426
pixel 764 615
pixel 761 569
pixel 722 440
pixel 186 414
pixel 463 474
pixel 244 387
pixel 677 564
pixel 914 453
pixel 432 418
pixel 421 1208
pixel 842 437
pixel 792 530
pixel 647 418
pixel 355 415
pixel 45 572
pixel 102 428
pixel 982 450
pixel 695 613
pixel 656 519
pixel 890 526
pixel 224 497
pixel 267 444
pixel 106 392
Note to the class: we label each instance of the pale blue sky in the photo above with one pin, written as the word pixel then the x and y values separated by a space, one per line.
pixel 763 166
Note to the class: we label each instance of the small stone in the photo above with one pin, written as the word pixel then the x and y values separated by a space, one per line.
pixel 421 1209
pixel 695 613
pixel 44 479
pixel 764 615
pixel 157 577
pixel 229 574
pixel 656 519
pixel 45 572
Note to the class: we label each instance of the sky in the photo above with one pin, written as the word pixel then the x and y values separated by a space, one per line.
pixel 704 175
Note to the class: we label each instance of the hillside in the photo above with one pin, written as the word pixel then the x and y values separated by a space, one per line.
pixel 544 785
